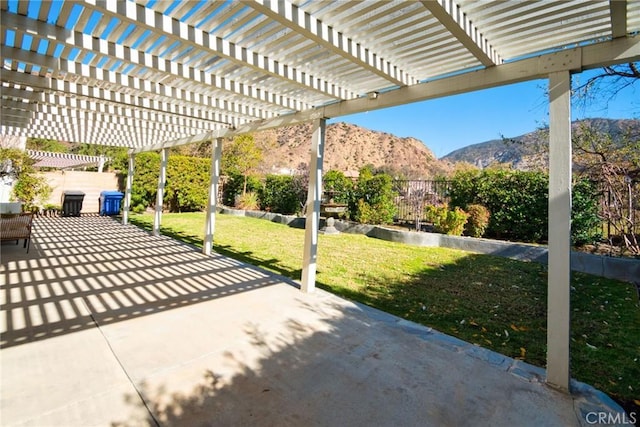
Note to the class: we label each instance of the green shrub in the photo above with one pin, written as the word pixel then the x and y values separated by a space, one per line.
pixel 248 201
pixel 445 220
pixel 478 220
pixel 188 180
pixel 372 200
pixel 517 200
pixel 380 213
pixel 187 186
pixel 145 179
pixel 139 208
pixel 585 222
pixel 30 188
pixel 335 181
pixel 233 186
pixel 280 194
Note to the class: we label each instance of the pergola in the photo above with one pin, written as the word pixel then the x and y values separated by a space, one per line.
pixel 153 74
pixel 45 159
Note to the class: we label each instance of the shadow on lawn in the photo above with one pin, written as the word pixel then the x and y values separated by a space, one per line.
pixel 489 301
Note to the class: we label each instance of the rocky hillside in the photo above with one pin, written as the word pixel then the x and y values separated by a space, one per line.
pixel 348 148
pixel 529 151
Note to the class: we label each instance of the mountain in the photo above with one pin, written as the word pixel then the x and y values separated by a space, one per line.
pixel 529 151
pixel 348 148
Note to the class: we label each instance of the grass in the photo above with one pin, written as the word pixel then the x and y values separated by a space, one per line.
pixel 493 302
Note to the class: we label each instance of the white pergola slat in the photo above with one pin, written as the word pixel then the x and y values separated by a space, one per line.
pixel 65 160
pixel 152 74
pixel 459 25
pixel 333 41
pixel 189 78
pixel 237 64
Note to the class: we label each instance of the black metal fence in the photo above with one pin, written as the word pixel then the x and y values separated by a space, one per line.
pixel 414 195
pixel 620 211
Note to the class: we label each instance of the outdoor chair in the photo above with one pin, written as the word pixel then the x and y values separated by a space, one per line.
pixel 16 227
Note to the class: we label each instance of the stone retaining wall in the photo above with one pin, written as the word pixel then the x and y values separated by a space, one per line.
pixel 625 269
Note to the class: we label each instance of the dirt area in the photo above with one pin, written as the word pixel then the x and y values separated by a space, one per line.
pixel 607 249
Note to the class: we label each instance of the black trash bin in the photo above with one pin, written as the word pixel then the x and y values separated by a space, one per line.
pixel 110 202
pixel 72 203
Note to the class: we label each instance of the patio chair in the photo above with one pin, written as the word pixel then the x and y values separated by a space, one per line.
pixel 16 227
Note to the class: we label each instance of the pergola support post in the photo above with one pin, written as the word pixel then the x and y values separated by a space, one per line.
pixel 162 180
pixel 127 194
pixel 210 221
pixel 559 276
pixel 101 163
pixel 314 196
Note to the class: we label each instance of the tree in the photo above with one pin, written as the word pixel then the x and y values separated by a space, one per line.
pixel 615 165
pixel 30 188
pixel 51 145
pixel 242 156
pixel 607 83
pixel 372 200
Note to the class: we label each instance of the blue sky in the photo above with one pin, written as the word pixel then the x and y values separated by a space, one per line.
pixel 446 124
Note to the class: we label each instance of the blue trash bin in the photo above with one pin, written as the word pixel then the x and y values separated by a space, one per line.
pixel 110 202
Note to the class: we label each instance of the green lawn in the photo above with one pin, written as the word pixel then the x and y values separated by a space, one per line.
pixel 490 301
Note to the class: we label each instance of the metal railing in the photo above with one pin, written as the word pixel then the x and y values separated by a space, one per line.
pixel 414 195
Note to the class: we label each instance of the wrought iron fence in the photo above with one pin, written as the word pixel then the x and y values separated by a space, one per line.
pixel 414 195
pixel 620 211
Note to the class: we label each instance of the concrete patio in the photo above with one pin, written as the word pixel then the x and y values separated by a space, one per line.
pixel 103 324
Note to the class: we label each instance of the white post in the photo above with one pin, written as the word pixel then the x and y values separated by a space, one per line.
pixel 210 221
pixel 559 285
pixel 127 194
pixel 314 195
pixel 162 180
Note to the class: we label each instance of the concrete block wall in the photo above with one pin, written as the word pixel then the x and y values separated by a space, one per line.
pixel 90 183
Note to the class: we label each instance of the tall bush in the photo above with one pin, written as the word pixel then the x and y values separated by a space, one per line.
pixel 336 182
pixel 145 180
pixel 517 200
pixel 586 225
pixel 187 188
pixel 279 194
pixel 372 200
pixel 30 188
pixel 234 185
pixel 478 220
